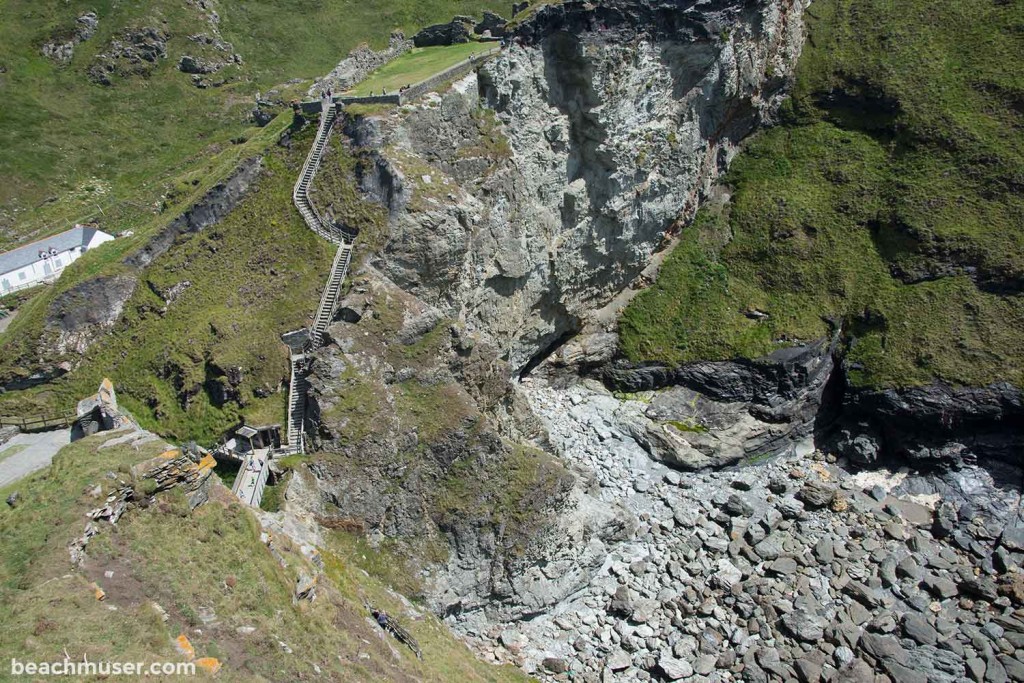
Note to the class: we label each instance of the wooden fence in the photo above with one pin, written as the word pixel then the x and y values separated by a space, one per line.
pixel 38 424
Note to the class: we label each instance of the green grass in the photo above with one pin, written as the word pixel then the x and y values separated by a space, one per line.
pixel 336 195
pixel 71 150
pixel 207 561
pixel 273 495
pixel 900 153
pixel 168 364
pixel 417 65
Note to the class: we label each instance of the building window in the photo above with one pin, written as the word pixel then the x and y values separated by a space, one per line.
pixel 21 275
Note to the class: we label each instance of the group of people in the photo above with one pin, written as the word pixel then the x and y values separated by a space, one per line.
pixel 254 466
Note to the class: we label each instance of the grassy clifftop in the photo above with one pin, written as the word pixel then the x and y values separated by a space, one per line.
pixel 72 149
pixel 205 574
pixel 889 201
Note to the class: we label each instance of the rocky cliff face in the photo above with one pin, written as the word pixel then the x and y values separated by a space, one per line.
pixel 933 425
pixel 602 127
pixel 518 203
pixel 470 350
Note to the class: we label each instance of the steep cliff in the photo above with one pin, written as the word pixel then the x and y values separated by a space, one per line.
pixel 886 208
pixel 544 188
pixel 519 203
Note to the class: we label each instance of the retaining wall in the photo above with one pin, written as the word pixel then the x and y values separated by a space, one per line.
pixel 451 73
pixel 417 90
pixel 369 99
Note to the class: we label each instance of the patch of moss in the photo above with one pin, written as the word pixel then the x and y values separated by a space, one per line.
pixel 273 494
pixel 511 493
pixel 335 194
pixel 434 409
pixel 688 426
pixel 355 407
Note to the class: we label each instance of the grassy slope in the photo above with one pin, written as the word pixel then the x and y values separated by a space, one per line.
pixel 154 356
pixel 71 150
pixel 245 291
pixel 416 65
pixel 209 559
pixel 900 151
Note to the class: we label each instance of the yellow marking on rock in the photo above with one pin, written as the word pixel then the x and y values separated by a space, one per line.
pixel 185 647
pixel 210 665
pixel 822 471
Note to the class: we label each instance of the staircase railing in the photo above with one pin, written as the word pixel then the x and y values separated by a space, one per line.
pixel 339 268
pixel 295 402
pixel 300 192
pixel 329 298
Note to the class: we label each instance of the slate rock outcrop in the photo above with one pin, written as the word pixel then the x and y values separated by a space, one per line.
pixel 458 30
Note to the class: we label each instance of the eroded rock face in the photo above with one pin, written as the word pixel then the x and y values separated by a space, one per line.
pixel 81 315
pixel 932 425
pixel 457 30
pixel 606 132
pixel 711 414
pixel 213 207
pixel 518 202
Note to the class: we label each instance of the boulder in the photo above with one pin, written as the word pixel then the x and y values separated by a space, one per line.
pixel 815 495
pixel 675 669
pixel 805 625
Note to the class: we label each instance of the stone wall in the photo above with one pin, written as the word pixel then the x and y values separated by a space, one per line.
pixel 359 63
pixel 451 73
pixel 370 99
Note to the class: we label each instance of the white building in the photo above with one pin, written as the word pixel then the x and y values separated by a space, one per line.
pixel 44 260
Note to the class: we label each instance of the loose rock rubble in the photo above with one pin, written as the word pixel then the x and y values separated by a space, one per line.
pixel 62 48
pixel 135 52
pixel 191 471
pixel 790 569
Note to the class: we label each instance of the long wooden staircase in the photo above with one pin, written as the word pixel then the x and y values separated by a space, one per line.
pixel 299 384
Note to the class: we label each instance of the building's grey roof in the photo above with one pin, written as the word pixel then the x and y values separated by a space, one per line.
pixel 78 236
pixel 247 431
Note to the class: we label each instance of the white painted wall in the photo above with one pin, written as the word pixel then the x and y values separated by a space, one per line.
pixel 40 271
pixel 49 269
pixel 98 239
